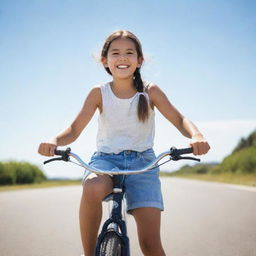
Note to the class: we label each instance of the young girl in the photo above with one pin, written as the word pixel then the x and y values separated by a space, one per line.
pixel 125 141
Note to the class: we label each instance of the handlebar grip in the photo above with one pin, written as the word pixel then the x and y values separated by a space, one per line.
pixel 184 151
pixel 63 153
pixel 58 152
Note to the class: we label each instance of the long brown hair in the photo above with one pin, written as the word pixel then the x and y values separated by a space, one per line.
pixel 143 107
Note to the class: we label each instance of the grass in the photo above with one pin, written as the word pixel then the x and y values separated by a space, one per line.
pixel 232 178
pixel 45 184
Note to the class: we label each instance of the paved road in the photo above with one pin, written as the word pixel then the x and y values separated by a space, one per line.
pixel 200 219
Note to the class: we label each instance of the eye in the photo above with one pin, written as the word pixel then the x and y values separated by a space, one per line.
pixel 129 53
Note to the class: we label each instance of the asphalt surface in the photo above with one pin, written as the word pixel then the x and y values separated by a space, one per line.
pixel 200 219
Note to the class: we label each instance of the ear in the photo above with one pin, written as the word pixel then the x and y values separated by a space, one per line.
pixel 104 62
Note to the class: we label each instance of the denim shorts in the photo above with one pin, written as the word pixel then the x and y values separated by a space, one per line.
pixel 141 190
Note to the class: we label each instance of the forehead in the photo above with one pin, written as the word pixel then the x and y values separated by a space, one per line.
pixel 122 43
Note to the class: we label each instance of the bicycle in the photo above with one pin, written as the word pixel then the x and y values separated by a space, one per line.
pixel 113 239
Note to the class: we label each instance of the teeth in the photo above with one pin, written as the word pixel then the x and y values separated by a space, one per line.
pixel 122 66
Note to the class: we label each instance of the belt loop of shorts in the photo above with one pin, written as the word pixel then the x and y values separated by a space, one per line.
pixel 128 152
pixel 131 152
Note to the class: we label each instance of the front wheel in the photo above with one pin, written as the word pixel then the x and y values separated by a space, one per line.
pixel 111 245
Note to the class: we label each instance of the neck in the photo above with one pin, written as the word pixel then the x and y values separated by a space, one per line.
pixel 123 85
pixel 123 88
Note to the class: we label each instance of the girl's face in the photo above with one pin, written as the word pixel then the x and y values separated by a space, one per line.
pixel 122 58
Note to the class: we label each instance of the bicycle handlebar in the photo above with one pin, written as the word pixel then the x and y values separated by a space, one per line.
pixel 174 153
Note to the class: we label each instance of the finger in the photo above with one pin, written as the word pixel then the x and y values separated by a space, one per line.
pixel 195 149
pixel 198 146
pixel 40 149
pixel 208 147
pixel 45 150
pixel 202 148
pixel 205 148
pixel 52 149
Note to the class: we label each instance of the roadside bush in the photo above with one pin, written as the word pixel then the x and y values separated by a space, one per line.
pixel 250 141
pixel 20 173
pixel 243 161
pixel 7 175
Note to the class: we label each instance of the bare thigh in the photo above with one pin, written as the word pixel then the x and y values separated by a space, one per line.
pixel 97 186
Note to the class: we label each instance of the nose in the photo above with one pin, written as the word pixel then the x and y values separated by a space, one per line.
pixel 122 56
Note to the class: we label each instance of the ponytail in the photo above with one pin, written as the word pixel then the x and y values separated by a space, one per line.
pixel 143 102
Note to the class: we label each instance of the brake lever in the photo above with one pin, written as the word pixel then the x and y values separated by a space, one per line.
pixel 185 158
pixel 53 159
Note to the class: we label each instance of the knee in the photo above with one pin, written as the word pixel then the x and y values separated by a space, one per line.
pixel 149 247
pixel 94 191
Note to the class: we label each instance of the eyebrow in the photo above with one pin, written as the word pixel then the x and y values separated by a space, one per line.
pixel 126 50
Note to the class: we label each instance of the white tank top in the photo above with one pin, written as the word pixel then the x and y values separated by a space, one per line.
pixel 119 128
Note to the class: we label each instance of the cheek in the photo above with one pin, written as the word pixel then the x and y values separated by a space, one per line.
pixel 107 64
pixel 111 65
pixel 111 61
pixel 135 60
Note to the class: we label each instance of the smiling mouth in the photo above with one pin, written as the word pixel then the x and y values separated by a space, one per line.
pixel 122 66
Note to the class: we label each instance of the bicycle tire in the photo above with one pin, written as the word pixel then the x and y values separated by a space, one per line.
pixel 111 245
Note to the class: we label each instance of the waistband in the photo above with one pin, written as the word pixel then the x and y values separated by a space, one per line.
pixel 126 153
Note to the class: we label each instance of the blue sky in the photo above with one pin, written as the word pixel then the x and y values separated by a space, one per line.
pixel 201 53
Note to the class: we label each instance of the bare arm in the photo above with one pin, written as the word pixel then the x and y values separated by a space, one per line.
pixel 186 127
pixel 70 134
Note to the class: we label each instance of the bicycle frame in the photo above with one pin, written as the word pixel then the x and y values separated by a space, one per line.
pixel 115 223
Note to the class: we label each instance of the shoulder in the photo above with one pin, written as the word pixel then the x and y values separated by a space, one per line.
pixel 94 95
pixel 152 88
pixel 154 91
pixel 100 89
pixel 95 91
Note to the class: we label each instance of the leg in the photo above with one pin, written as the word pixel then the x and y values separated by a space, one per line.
pixel 148 225
pixel 95 188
